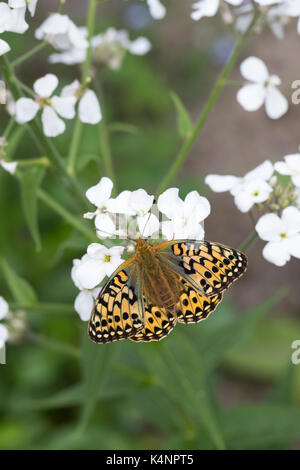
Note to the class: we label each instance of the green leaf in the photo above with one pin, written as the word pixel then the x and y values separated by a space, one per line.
pixel 184 123
pixel 260 426
pixel 95 360
pixel 123 127
pixel 21 290
pixel 30 182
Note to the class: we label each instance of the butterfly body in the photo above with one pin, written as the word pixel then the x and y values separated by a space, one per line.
pixel 162 284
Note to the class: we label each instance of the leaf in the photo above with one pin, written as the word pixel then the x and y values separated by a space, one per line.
pixel 30 182
pixel 184 123
pixel 181 374
pixel 95 360
pixel 123 127
pixel 21 290
pixel 260 426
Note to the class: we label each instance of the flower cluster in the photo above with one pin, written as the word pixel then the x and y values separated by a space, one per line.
pixel 54 107
pixel 72 43
pixel 269 192
pixel 131 214
pixel 12 19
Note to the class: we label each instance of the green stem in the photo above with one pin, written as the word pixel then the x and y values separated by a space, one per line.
pixel 53 344
pixel 219 85
pixel 104 142
pixel 44 307
pixel 9 128
pixel 249 241
pixel 77 132
pixel 66 215
pixel 42 141
pixel 22 58
pixel 42 161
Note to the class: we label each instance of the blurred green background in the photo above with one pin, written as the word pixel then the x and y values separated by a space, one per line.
pixel 228 381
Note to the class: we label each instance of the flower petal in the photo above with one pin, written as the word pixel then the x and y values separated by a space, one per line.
pixel 264 171
pixel 276 253
pixel 157 9
pixel 196 207
pixel 251 97
pixel 220 183
pixel 293 244
pixel 170 204
pixel 52 124
pixel 45 86
pixel 64 106
pixel 90 273
pixel 140 46
pixel 254 70
pixel 26 110
pixel 291 219
pixel 276 104
pixel 269 227
pixel 105 225
pixel 100 193
pixel 84 304
pixel 148 225
pixel 89 108
pixel 4 47
pixel 205 8
pixel 140 202
pixel 4 335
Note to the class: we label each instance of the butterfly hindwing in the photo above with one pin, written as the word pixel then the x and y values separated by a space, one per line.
pixel 193 307
pixel 118 310
pixel 210 267
pixel 158 324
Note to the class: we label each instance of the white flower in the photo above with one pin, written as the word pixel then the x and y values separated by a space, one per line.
pixel 89 110
pixel 52 106
pixel 140 204
pixel 84 303
pixel 12 20
pixel 4 310
pixel 291 167
pixel 263 89
pixel 60 31
pixel 99 196
pixel 76 54
pixel 31 4
pixel 99 262
pixel 253 188
pixel 110 47
pixel 4 47
pixel 282 234
pixel 157 9
pixel 186 217
pixel 209 7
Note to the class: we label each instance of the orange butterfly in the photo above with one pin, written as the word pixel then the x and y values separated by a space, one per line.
pixel 162 284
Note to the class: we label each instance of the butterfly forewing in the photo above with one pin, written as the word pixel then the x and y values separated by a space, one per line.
pixel 209 267
pixel 118 310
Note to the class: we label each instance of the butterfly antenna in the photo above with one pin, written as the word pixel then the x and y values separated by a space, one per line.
pixel 146 224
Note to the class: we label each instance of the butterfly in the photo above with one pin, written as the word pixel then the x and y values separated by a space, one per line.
pixel 172 281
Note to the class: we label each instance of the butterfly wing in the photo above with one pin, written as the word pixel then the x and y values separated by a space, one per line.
pixel 118 311
pixel 209 267
pixel 159 322
pixel 193 307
